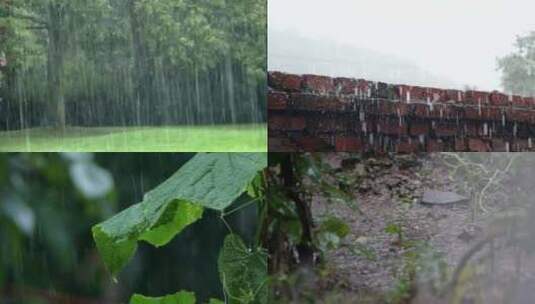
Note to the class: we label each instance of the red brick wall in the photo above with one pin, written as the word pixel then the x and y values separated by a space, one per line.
pixel 318 113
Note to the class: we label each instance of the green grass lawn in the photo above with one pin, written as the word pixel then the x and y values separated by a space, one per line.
pixel 239 138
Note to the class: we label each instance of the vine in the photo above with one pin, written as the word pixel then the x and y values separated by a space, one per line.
pixel 295 241
pixel 208 181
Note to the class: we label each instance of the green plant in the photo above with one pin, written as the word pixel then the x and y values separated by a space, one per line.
pixel 214 181
pixel 395 229
pixel 293 180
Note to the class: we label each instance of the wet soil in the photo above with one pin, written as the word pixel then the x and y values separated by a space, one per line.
pixel 371 264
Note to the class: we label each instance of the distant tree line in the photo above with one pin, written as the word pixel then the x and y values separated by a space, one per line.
pixel 132 62
pixel 518 68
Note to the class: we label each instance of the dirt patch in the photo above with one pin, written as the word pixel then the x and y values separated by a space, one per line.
pixel 374 258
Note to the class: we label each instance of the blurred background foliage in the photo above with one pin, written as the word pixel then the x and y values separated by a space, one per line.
pixel 48 203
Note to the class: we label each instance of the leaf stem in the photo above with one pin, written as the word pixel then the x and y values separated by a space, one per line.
pixel 244 205
pixel 222 217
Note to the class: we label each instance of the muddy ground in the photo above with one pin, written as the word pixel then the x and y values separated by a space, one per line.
pixel 376 265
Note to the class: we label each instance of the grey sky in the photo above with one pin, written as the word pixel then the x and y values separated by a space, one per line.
pixel 457 39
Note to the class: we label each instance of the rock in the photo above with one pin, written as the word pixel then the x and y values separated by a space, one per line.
pixel 360 170
pixel 434 197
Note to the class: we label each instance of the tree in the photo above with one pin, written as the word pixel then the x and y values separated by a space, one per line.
pixel 137 62
pixel 518 68
pixel 54 19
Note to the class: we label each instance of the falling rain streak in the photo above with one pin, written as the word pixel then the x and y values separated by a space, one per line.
pixel 116 63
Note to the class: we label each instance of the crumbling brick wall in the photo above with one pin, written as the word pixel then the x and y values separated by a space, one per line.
pixel 318 113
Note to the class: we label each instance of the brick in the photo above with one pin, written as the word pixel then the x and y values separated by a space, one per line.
pixel 326 116
pixel 420 110
pixel 434 145
pixel 364 87
pixel 498 145
pixel 517 101
pixel 444 129
pixel 498 99
pixel 277 144
pixel 472 112
pixel 454 95
pixel 385 107
pixel 277 100
pixel 419 94
pixel 522 115
pixel 285 82
pixel 312 144
pixel 491 113
pixel 440 111
pixel 345 85
pixel 529 102
pixel 318 84
pixel 348 144
pixel 407 146
pixel 383 90
pixel 330 124
pixel 392 127
pixel 472 129
pixel 309 102
pixel 438 95
pixel 286 123
pixel 521 145
pixel 460 144
pixel 402 92
pixel 478 145
pixel 476 97
pixel 419 128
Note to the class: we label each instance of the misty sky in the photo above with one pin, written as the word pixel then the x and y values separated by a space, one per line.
pixel 456 39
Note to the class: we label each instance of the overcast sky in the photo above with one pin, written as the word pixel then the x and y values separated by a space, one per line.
pixel 457 39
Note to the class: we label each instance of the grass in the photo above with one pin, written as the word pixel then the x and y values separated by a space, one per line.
pixel 228 138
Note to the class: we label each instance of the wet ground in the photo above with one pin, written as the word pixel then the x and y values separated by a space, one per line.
pixel 414 263
pixel 228 138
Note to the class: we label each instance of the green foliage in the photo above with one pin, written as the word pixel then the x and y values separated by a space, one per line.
pixel 243 272
pixel 247 138
pixel 518 68
pixel 45 213
pixel 397 230
pixel 208 181
pixel 330 233
pixel 182 297
pixel 285 217
pixel 393 229
pixel 178 57
pixel 324 179
pixel 211 181
pixel 291 227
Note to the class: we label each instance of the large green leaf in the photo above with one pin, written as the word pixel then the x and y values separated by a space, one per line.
pixel 207 180
pixel 243 272
pixel 182 297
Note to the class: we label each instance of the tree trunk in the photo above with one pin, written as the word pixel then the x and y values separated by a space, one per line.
pixel 230 87
pixel 305 248
pixel 143 66
pixel 56 59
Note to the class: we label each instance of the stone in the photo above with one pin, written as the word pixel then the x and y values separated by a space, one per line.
pixel 434 197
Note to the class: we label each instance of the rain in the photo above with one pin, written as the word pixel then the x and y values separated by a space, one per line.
pixel 50 201
pixel 450 45
pixel 132 75
pixel 440 228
